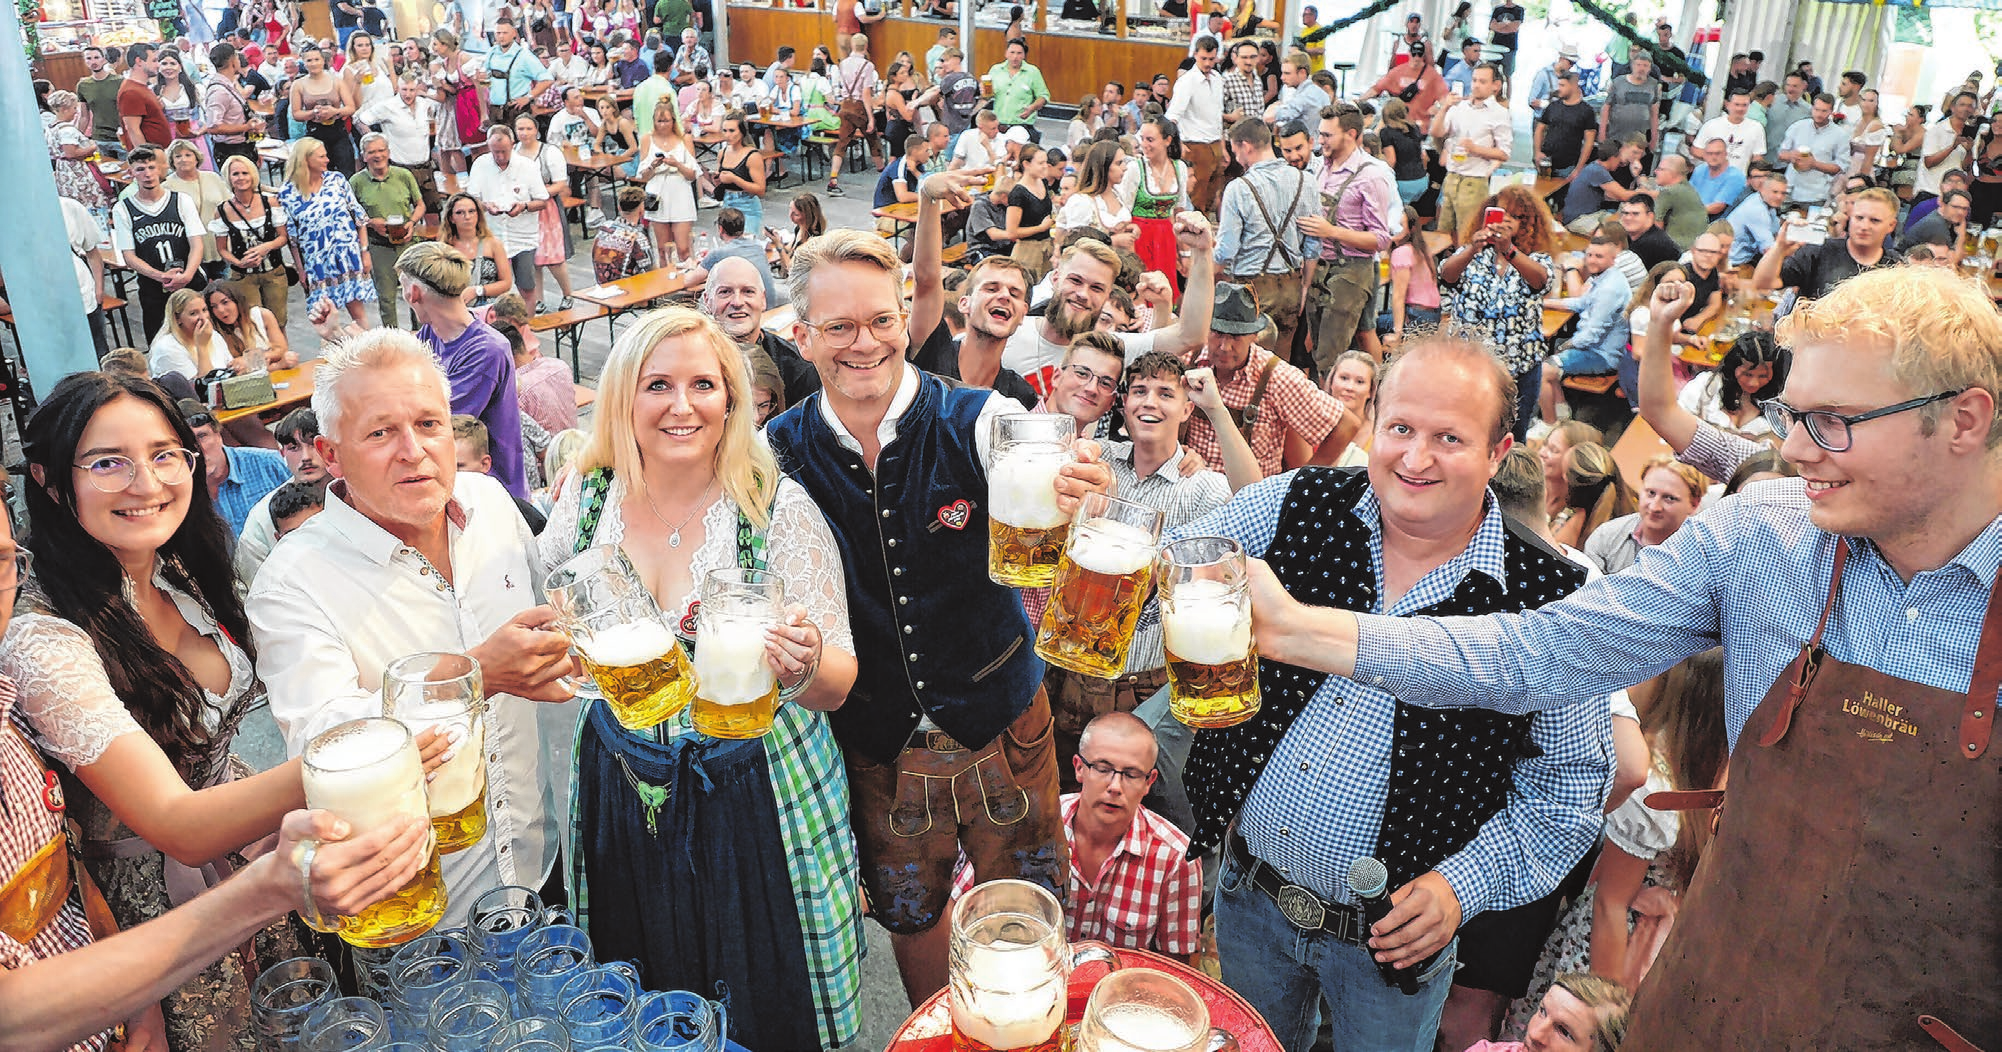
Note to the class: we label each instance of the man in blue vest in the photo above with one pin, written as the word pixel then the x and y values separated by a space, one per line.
pixel 950 683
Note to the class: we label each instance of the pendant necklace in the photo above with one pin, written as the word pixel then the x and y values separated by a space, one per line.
pixel 674 529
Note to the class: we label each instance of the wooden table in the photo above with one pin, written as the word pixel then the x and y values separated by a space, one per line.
pixel 634 293
pixel 1547 185
pixel 567 327
pixel 295 388
pixel 1638 445
pixel 1554 320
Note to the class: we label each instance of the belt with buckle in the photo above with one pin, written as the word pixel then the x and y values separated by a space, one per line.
pixel 933 740
pixel 1301 907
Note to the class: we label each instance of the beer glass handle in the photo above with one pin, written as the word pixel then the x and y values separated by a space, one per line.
pixel 629 969
pixel 1221 1040
pixel 1094 952
pixel 309 908
pixel 557 915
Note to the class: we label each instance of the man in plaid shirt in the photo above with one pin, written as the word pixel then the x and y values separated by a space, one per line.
pixel 1131 884
pixel 1277 408
pixel 1243 95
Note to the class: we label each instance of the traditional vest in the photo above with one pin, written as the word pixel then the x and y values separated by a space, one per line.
pixel 933 635
pixel 1450 769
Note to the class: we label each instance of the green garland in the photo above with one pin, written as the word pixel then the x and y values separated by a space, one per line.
pixel 1324 30
pixel 31 27
pixel 1663 60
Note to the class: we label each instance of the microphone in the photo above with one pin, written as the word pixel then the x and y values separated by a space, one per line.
pixel 1369 882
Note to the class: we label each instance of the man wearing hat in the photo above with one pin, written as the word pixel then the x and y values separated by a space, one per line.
pixel 1544 85
pixel 1272 401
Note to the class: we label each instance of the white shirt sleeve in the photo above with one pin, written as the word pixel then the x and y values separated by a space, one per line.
pixel 307 668
pixel 166 355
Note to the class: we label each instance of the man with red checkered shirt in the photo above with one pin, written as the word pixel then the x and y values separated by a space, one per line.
pixel 1131 885
pixel 1287 420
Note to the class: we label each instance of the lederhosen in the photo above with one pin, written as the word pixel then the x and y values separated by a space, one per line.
pixel 1850 892
pixel 1324 280
pixel 1279 295
pixel 682 837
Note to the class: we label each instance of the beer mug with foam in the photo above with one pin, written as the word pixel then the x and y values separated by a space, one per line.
pixel 1008 968
pixel 1145 1010
pixel 736 693
pixel 1206 632
pixel 1102 581
pixel 1025 528
pixel 623 638
pixel 444 690
pixel 367 772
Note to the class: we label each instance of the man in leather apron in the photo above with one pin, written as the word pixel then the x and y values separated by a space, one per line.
pixel 1846 902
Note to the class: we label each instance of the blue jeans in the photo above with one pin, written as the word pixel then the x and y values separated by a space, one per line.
pixel 1415 317
pixel 1286 974
pixel 1409 190
pixel 1528 385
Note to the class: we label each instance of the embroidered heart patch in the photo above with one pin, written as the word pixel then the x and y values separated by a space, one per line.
pixel 956 514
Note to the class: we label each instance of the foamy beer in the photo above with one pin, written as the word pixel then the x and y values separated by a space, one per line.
pixel 445 691
pixel 622 637
pixel 1206 632
pixel 1025 528
pixel 1008 968
pixel 1145 1010
pixel 367 773
pixel 1101 584
pixel 736 693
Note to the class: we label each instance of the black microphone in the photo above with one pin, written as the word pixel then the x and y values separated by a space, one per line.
pixel 1369 882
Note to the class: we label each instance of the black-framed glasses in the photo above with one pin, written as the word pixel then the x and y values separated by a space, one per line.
pixel 1106 770
pixel 1105 383
pixel 841 333
pixel 114 473
pixel 1831 431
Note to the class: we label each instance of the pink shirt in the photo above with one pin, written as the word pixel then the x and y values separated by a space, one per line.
pixel 547 395
pixel 1424 288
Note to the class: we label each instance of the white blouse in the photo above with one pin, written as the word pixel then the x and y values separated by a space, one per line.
pixel 1703 396
pixel 169 355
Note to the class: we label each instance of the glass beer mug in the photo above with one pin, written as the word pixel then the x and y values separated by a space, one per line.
pixel 1025 528
pixel 1101 584
pixel 736 693
pixel 367 772
pixel 1009 968
pixel 622 636
pixel 1206 632
pixel 1144 1010
pixel 444 690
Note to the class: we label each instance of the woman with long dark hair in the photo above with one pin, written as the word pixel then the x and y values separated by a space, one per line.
pixel 1160 189
pixel 133 661
pixel 1753 370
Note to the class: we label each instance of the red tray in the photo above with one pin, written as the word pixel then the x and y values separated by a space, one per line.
pixel 929 1029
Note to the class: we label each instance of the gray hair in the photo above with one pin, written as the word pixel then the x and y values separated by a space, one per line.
pixel 372 349
pixel 362 147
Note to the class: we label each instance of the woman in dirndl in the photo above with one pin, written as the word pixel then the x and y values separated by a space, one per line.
pixel 460 114
pixel 1159 187
pixel 707 860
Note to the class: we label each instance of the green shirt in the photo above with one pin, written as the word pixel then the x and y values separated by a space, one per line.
pixel 1681 211
pixel 645 98
pixel 1015 92
pixel 393 195
pixel 101 96
pixel 673 16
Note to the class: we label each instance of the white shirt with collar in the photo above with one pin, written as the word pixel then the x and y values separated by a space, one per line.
pixel 408 128
pixel 900 403
pixel 1196 106
pixel 1489 125
pixel 340 598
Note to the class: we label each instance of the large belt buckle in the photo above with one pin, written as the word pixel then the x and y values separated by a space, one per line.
pixel 1301 908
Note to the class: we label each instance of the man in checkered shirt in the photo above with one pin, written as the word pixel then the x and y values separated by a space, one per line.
pixel 1278 407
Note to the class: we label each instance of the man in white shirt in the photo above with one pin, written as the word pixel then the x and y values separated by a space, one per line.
pixel 1196 107
pixel 406 119
pixel 1743 137
pixel 1477 136
pixel 979 146
pixel 411 556
pixel 1849 96
pixel 1081 283
pixel 86 255
pixel 1948 145
pixel 513 194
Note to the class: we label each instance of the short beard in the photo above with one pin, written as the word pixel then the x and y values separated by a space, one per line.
pixel 1064 322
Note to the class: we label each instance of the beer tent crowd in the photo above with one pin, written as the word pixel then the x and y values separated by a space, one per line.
pixel 841 617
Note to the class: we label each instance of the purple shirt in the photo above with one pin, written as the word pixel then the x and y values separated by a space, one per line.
pixel 480 369
pixel 1364 207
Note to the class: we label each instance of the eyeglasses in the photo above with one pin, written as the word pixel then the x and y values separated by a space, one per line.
pixel 113 473
pixel 1106 770
pixel 1108 384
pixel 842 333
pixel 1831 431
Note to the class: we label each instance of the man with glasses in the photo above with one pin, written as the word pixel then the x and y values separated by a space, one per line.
pixel 238 476
pixel 1814 269
pixel 898 462
pixel 1844 718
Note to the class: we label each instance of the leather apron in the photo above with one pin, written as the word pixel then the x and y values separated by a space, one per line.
pixel 1850 889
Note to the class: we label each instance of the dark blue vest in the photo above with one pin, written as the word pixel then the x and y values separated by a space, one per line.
pixel 933 635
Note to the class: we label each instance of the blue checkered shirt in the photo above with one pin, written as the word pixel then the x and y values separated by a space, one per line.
pixel 1319 803
pixel 1752 573
pixel 252 474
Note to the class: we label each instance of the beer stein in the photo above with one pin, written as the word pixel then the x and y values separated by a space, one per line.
pixel 547 958
pixel 736 693
pixel 679 1021
pixel 1102 582
pixel 372 970
pixel 284 995
pixel 1206 632
pixel 600 1005
pixel 444 690
pixel 1144 1010
pixel 366 772
pixel 465 1017
pixel 1008 968
pixel 1025 528
pixel 534 1034
pixel 346 1024
pixel 501 920
pixel 627 645
pixel 424 971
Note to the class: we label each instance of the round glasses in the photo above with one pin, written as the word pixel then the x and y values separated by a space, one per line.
pixel 841 333
pixel 113 473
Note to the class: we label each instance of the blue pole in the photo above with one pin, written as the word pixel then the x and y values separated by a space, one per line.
pixel 34 246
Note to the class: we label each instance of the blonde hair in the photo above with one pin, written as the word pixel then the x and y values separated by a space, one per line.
pixel 744 466
pixel 181 146
pixel 232 161
pixel 564 448
pixel 1608 1001
pixel 437 266
pixel 1097 250
pixel 1942 330
pixel 295 165
pixel 371 349
pixel 175 304
pixel 673 115
pixel 1692 478
pixel 839 246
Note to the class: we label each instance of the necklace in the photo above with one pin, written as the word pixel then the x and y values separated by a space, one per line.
pixel 674 529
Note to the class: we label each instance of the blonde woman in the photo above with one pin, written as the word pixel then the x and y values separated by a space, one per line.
pixel 249 234
pixel 370 74
pixel 185 174
pixel 675 476
pixel 328 230
pixel 668 168
pixel 188 344
pixel 459 108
